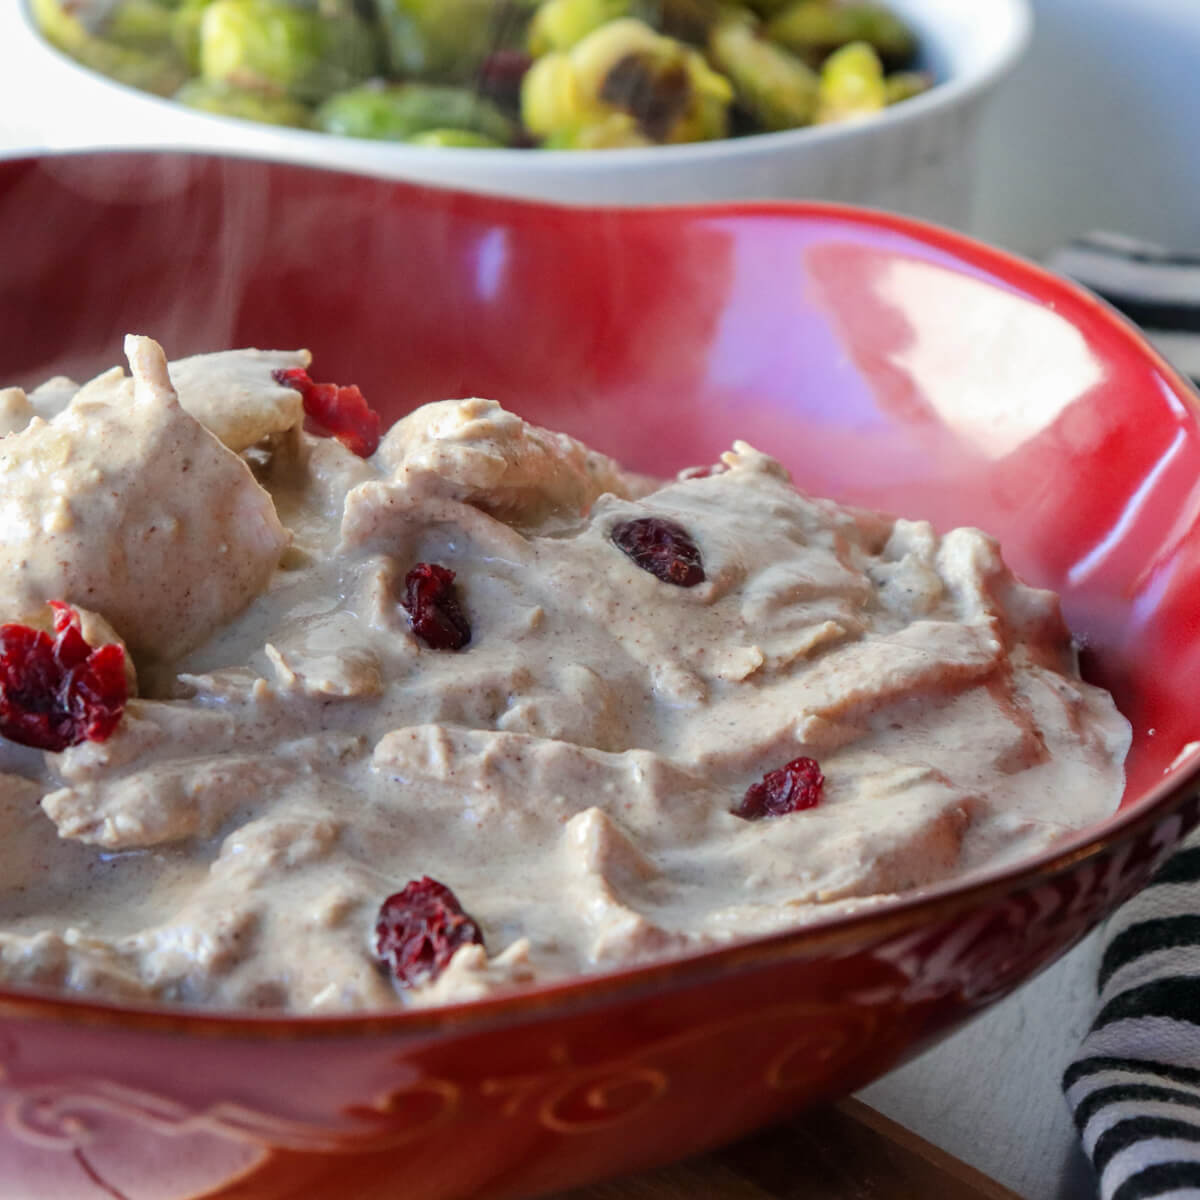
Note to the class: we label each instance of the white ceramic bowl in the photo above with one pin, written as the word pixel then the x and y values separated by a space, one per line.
pixel 918 157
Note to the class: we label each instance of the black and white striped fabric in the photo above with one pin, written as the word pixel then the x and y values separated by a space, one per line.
pixel 1134 1086
pixel 1152 286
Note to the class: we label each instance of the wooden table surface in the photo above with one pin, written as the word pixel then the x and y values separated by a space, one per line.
pixel 846 1152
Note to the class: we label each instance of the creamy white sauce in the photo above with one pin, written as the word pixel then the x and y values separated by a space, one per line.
pixel 296 754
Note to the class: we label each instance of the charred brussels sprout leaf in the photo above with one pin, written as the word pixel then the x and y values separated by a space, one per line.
pixel 402 111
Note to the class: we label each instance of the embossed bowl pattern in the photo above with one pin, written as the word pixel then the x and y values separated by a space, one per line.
pixel 886 363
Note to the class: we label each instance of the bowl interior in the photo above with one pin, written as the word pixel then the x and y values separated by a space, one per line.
pixel 886 363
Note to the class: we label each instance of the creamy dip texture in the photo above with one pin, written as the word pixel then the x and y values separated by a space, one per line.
pixel 296 753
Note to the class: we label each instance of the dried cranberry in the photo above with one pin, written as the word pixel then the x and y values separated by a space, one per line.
pixel 57 691
pixel 418 930
pixel 333 411
pixel 790 789
pixel 663 548
pixel 431 601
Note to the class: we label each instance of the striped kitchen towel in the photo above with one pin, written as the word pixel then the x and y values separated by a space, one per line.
pixel 1134 1086
pixel 1152 286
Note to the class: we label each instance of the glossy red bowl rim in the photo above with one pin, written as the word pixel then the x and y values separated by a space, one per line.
pixel 842 931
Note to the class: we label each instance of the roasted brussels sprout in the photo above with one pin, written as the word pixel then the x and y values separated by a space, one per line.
pixel 462 138
pixel 273 46
pixel 852 84
pixel 560 24
pixel 63 28
pixel 447 40
pixel 400 112
pixel 615 131
pixel 186 19
pixel 814 29
pixel 904 85
pixel 139 24
pixel 578 74
pixel 776 88
pixel 688 20
pixel 246 105
pixel 667 88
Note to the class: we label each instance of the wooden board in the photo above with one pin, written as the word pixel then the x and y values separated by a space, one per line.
pixel 847 1152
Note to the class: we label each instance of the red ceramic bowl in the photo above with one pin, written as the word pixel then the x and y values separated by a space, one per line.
pixel 888 364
